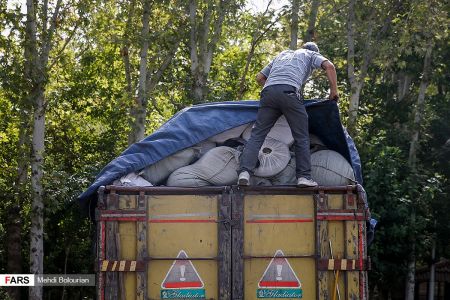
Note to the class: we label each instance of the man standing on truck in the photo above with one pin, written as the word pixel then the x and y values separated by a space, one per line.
pixel 282 79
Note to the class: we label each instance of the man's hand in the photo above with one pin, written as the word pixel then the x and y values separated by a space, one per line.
pixel 261 79
pixel 334 96
pixel 332 79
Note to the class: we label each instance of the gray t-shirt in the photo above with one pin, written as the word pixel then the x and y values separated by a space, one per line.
pixel 292 67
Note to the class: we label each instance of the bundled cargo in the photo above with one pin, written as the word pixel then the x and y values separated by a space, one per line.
pixel 176 151
pixel 217 167
pixel 192 224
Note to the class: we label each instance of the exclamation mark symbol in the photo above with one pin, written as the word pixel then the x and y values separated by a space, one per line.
pixel 182 271
pixel 279 269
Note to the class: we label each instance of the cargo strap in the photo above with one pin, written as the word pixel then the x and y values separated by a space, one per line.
pixel 121 265
pixel 343 264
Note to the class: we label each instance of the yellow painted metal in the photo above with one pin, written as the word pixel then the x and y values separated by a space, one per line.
pixel 271 223
pixel 127 232
pixel 265 232
pixel 185 223
pixel 264 239
pixel 352 241
pixel 127 236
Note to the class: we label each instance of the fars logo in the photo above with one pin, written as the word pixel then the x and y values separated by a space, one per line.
pixel 17 280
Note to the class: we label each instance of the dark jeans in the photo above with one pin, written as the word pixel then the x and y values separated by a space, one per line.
pixel 277 100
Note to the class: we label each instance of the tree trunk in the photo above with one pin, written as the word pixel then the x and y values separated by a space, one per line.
pixel 154 77
pixel 404 84
pixel 37 78
pixel 311 31
pixel 354 97
pixel 125 51
pixel 37 204
pixel 431 283
pixel 357 81
pixel 418 116
pixel 14 229
pixel 412 160
pixel 139 112
pixel 14 249
pixel 294 24
pixel 242 86
pixel 202 44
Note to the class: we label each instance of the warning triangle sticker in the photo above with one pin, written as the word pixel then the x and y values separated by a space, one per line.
pixel 182 274
pixel 279 274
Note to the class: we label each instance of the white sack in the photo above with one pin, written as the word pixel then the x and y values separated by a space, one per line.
pixel 186 178
pixel 273 158
pixel 281 131
pixel 132 179
pixel 160 170
pixel 228 134
pixel 330 168
pixel 287 176
pixel 218 167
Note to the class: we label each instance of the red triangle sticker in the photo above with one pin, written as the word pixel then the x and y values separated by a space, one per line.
pixel 182 274
pixel 279 274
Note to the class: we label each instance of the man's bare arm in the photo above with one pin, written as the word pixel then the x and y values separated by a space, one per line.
pixel 261 79
pixel 332 79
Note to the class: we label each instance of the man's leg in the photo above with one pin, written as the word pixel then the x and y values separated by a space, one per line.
pixel 268 113
pixel 295 113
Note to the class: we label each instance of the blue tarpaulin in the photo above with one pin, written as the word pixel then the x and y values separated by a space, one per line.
pixel 200 122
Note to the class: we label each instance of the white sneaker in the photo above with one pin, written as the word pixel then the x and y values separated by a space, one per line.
pixel 244 178
pixel 305 182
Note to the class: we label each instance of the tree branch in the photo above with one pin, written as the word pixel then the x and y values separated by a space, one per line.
pixel 193 34
pixel 66 42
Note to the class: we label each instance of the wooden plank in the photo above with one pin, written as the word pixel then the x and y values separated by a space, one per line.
pixel 224 240
pixel 100 256
pixel 352 290
pixel 127 201
pixel 111 282
pixel 321 200
pixel 362 204
pixel 237 243
pixel 141 288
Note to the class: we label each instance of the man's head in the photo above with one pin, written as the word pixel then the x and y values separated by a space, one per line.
pixel 311 46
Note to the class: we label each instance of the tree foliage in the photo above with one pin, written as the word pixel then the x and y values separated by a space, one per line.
pixel 92 85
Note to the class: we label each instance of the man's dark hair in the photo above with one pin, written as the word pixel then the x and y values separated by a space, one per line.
pixel 311 46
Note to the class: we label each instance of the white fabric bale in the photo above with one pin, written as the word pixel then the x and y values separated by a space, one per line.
pixel 329 168
pixel 160 170
pixel 248 131
pixel 217 167
pixel 273 158
pixel 281 131
pixel 228 134
pixel 184 177
pixel 287 176
pixel 132 179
